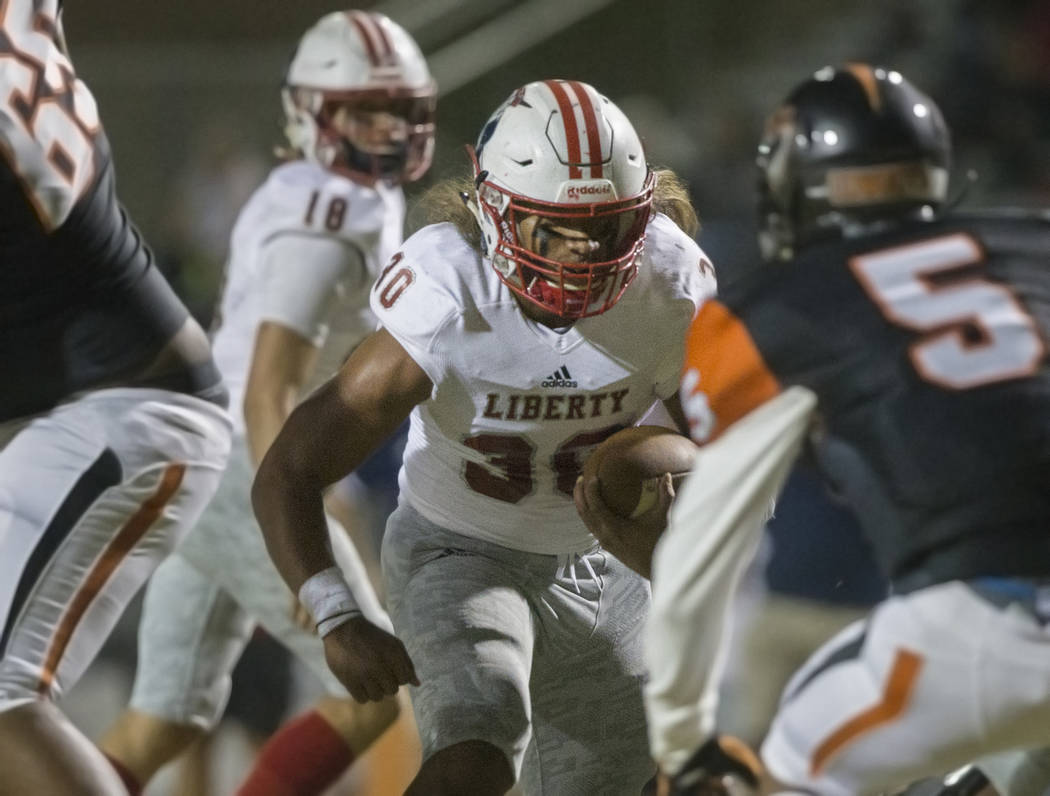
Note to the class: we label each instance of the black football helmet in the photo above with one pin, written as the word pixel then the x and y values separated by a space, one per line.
pixel 850 148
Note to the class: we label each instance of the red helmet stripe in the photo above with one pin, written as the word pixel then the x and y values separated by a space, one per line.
pixel 365 27
pixel 389 53
pixel 572 132
pixel 590 120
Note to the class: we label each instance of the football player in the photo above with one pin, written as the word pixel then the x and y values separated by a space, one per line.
pixel 307 246
pixel 113 431
pixel 906 342
pixel 540 313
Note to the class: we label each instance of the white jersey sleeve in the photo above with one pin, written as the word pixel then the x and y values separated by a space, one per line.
pixel 714 528
pixel 303 298
pixel 415 307
pixel 689 278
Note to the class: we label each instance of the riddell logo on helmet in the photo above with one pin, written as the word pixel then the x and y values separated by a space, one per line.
pixel 586 191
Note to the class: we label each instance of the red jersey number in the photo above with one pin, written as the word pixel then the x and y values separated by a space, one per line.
pixel 506 473
pixel 393 283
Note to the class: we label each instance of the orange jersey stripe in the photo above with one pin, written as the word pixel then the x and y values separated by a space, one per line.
pixel 121 544
pixel 895 699
pixel 723 363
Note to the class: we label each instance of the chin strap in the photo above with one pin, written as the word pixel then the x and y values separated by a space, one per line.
pixel 470 201
pixel 472 206
pixel 488 248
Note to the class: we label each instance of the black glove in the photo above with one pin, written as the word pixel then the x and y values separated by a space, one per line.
pixel 968 781
pixel 718 758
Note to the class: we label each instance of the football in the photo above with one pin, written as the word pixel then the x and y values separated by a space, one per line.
pixel 630 462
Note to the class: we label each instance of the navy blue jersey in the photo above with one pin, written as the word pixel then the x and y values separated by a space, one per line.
pixel 82 304
pixel 926 349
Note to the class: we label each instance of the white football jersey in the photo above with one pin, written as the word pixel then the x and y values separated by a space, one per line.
pixel 305 250
pixel 517 406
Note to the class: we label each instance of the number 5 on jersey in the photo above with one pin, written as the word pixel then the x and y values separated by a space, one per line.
pixel 902 281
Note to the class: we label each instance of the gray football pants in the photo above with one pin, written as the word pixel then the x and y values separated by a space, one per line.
pixel 539 655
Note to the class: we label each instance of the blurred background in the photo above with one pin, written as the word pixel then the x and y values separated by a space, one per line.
pixel 188 92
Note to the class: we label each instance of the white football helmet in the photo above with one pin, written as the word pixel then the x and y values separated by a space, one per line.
pixel 560 151
pixel 359 99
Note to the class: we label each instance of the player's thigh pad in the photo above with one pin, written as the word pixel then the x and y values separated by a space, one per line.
pixel 190 637
pixel 935 678
pixel 459 609
pixel 589 730
pixel 93 495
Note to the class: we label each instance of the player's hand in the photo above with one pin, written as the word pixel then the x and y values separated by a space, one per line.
pixel 370 662
pixel 630 540
pixel 724 766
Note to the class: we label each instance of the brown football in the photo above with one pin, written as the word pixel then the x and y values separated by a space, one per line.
pixel 630 463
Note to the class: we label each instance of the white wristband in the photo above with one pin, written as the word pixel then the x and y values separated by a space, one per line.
pixel 329 600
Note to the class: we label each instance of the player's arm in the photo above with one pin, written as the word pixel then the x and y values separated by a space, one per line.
pixel 326 437
pixel 632 540
pixel 750 430
pixel 282 361
pixel 715 525
pixel 299 277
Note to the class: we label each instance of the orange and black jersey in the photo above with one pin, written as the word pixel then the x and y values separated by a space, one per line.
pixel 926 350
pixel 82 303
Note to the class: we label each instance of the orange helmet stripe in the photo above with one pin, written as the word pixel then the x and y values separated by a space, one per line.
pixel 866 78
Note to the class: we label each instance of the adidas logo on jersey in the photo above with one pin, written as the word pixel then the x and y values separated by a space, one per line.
pixel 559 378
